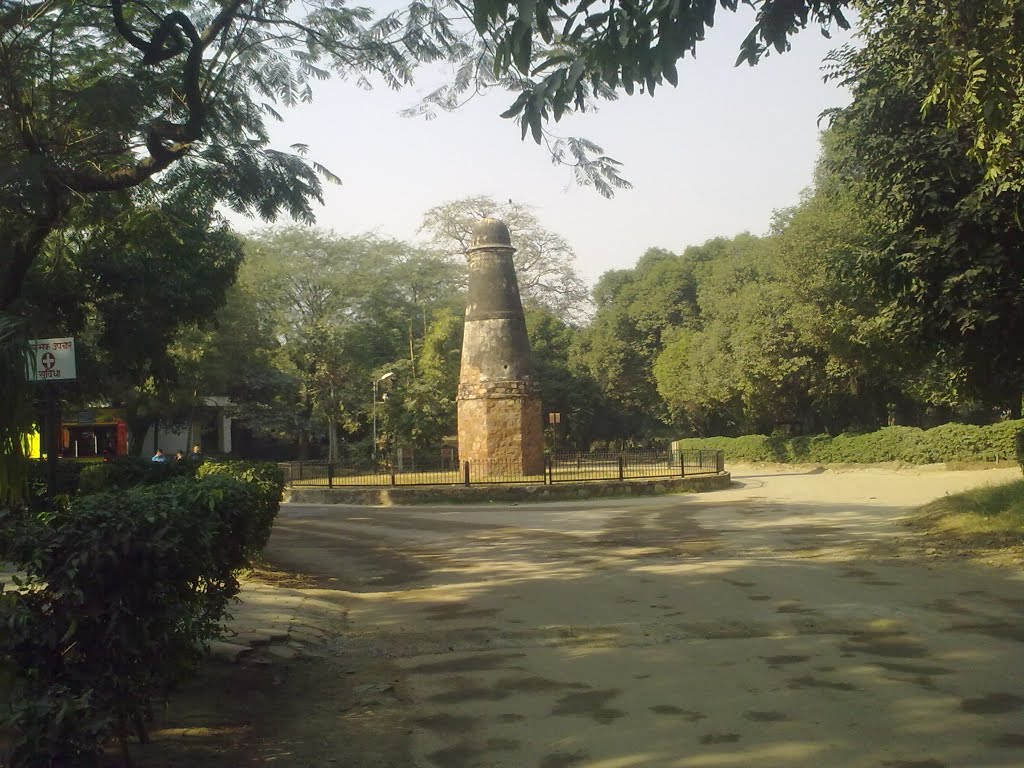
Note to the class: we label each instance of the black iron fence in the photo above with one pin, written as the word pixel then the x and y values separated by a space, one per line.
pixel 429 468
pixel 632 465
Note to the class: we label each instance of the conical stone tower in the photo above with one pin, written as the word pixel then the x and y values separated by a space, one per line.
pixel 500 424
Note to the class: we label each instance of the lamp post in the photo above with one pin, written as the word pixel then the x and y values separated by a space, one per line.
pixel 376 383
pixel 554 419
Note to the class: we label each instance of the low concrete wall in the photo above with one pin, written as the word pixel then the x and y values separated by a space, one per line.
pixel 456 494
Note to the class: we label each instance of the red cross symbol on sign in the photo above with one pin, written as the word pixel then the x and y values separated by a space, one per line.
pixel 48 361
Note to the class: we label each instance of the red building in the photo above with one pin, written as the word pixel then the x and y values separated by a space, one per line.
pixel 94 432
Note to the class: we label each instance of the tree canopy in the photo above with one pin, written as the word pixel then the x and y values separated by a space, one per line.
pixel 545 263
pixel 565 56
pixel 945 258
pixel 101 98
pixel 892 291
pixel 98 99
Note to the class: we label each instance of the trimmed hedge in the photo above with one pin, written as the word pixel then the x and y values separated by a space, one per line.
pixel 130 471
pixel 66 480
pixel 124 588
pixel 911 445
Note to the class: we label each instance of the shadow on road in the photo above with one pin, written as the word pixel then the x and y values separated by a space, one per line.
pixel 655 633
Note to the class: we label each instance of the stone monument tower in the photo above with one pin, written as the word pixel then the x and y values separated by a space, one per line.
pixel 499 404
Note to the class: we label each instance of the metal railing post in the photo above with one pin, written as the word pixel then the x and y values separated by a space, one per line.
pixel 720 461
pixel 330 474
pixel 550 474
pixel 465 472
pixel 682 463
pixel 622 466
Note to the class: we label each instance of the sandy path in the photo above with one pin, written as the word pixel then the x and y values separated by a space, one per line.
pixel 789 621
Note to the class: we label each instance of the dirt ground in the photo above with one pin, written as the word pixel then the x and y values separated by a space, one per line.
pixel 793 620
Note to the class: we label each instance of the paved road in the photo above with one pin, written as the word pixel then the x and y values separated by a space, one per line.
pixel 790 621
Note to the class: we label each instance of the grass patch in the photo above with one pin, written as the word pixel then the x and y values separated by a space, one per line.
pixel 960 466
pixel 994 512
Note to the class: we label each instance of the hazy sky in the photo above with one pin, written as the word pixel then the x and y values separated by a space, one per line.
pixel 713 157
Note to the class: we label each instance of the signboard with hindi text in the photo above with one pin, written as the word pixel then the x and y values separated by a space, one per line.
pixel 54 360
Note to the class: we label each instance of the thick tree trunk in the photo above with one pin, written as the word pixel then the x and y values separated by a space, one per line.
pixel 138 426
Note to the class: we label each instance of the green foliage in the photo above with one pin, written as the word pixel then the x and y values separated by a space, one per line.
pixel 123 589
pixel 103 98
pixel 1019 448
pixel 413 411
pixel 257 511
pixel 264 473
pixel 566 387
pixel 441 353
pixel 946 263
pixel 638 312
pixel 125 280
pixel 807 330
pixel 419 409
pixel 992 501
pixel 545 262
pixel 343 311
pixel 15 415
pixel 66 478
pixel 910 445
pixel 978 61
pixel 564 56
pixel 123 472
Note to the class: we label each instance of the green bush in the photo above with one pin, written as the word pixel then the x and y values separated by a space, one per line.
pixel 1019 448
pixel 251 471
pixel 123 590
pixel 130 471
pixel 911 445
pixel 66 479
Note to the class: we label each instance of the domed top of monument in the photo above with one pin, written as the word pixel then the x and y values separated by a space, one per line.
pixel 490 233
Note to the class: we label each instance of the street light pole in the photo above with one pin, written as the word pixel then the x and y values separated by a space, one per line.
pixel 376 382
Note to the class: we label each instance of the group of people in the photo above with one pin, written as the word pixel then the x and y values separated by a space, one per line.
pixel 195 455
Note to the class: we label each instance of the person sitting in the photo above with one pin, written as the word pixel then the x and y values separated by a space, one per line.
pixel 197 453
pixel 179 456
pixel 159 455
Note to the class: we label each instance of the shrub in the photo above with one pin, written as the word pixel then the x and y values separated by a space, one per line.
pixel 249 471
pixel 124 588
pixel 1019 448
pixel 130 471
pixel 66 479
pixel 948 442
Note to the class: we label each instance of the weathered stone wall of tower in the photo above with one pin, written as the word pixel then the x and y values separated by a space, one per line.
pixel 499 406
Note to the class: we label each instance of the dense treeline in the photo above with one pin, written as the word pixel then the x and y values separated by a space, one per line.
pixel 790 332
pixel 871 302
pixel 892 293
